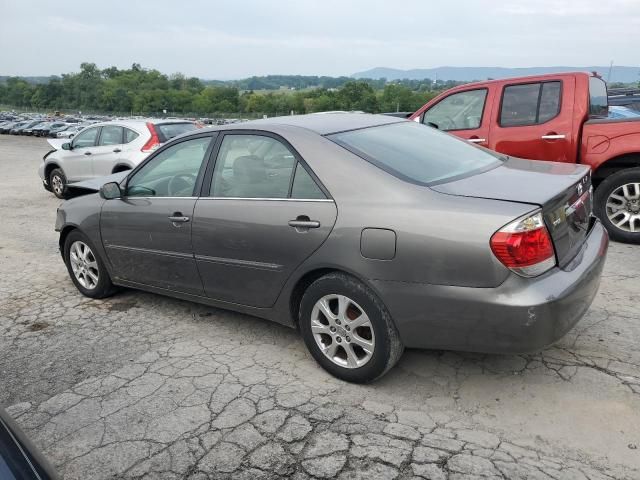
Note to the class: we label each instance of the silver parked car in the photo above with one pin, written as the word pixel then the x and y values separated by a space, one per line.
pixel 368 233
pixel 105 148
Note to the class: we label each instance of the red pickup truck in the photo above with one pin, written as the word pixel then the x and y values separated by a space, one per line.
pixel 562 118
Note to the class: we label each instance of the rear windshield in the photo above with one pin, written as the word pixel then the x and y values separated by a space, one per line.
pixel 416 153
pixel 598 103
pixel 169 130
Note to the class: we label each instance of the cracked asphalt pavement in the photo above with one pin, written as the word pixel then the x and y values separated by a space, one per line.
pixel 141 386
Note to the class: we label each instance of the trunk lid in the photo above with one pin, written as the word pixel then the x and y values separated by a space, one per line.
pixel 562 190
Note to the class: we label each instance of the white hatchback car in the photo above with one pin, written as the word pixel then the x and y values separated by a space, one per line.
pixel 105 148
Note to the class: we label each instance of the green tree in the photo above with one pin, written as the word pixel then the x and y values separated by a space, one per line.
pixel 357 95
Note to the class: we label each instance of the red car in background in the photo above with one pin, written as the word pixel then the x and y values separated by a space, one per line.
pixel 558 117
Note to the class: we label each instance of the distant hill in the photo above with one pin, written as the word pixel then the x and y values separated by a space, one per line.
pixel 34 80
pixel 467 74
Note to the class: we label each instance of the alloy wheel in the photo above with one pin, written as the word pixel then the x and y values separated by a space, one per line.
pixel 84 265
pixel 56 184
pixel 343 331
pixel 623 207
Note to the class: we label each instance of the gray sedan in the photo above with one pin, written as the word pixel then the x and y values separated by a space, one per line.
pixel 368 233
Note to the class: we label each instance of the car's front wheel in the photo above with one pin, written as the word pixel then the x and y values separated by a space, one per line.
pixel 617 204
pixel 58 182
pixel 86 268
pixel 348 330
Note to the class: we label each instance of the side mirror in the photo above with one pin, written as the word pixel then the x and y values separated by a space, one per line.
pixel 110 190
pixel 67 146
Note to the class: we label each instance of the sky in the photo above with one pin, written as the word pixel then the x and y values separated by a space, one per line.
pixel 237 39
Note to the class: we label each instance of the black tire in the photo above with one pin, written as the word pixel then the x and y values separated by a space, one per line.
pixel 57 173
pixel 388 347
pixel 103 288
pixel 608 186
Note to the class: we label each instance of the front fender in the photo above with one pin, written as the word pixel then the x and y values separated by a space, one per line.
pixel 82 213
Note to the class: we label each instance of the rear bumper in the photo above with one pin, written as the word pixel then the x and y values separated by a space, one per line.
pixel 521 315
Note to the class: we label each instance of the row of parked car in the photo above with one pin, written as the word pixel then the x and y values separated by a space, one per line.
pixel 54 127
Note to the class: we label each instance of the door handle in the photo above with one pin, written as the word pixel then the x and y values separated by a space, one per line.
pixel 553 136
pixel 477 140
pixel 116 150
pixel 87 153
pixel 304 222
pixel 177 217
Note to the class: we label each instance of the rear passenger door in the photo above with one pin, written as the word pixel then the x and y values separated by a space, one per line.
pixel 261 214
pixel 464 114
pixel 535 120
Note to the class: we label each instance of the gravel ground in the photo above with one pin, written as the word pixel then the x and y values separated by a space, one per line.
pixel 142 386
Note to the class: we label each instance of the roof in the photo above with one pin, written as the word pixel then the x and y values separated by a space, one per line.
pixel 327 123
pixel 140 122
pixel 531 78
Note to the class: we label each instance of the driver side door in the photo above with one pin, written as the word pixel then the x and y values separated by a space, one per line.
pixel 78 165
pixel 147 232
pixel 464 114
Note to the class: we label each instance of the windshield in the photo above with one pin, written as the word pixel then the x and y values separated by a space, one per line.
pixel 598 102
pixel 416 153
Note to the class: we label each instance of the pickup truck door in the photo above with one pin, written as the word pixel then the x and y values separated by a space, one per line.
pixel 535 120
pixel 465 114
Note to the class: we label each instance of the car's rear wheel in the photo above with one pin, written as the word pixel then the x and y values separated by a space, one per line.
pixel 58 182
pixel 617 204
pixel 348 330
pixel 86 268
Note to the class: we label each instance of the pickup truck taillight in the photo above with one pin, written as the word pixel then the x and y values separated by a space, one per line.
pixel 525 246
pixel 153 142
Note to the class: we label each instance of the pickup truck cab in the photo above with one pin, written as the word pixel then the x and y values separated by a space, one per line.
pixel 560 118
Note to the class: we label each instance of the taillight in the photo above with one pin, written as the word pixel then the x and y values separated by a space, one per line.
pixel 525 246
pixel 153 142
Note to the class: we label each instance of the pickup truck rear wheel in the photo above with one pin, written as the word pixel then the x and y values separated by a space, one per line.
pixel 617 204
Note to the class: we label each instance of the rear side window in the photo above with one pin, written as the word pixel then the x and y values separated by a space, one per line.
pixel 304 186
pixel 252 166
pixel 110 135
pixel 259 166
pixel 167 131
pixel 530 103
pixel 129 135
pixel 460 111
pixel 416 153
pixel 598 102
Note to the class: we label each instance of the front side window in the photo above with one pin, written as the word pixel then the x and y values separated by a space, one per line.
pixel 530 103
pixel 110 135
pixel 460 111
pixel 598 101
pixel 86 138
pixel 171 173
pixel 252 166
pixel 416 153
